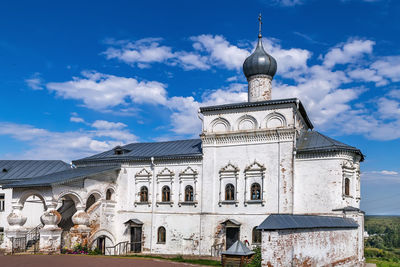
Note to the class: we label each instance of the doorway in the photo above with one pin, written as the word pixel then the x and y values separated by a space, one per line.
pixel 136 239
pixel 101 244
pixel 232 235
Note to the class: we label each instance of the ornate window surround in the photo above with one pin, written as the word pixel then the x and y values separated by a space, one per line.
pixel 143 178
pixel 165 178
pixel 188 177
pixel 230 173
pixel 255 172
pixel 348 171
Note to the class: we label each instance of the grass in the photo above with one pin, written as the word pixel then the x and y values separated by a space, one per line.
pixel 383 263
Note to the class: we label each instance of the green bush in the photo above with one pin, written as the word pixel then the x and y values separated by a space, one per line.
pixel 256 260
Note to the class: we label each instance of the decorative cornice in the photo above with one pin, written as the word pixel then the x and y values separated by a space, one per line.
pixel 324 154
pixel 246 137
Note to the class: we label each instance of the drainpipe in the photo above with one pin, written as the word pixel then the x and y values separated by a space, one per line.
pixel 152 204
pixel 202 183
pixel 279 172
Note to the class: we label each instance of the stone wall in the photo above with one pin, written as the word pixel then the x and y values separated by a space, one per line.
pixel 310 247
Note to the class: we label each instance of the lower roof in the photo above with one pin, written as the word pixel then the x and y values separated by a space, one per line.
pixel 11 170
pixel 290 221
pixel 62 177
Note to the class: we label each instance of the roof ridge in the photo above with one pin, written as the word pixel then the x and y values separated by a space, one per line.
pixel 162 142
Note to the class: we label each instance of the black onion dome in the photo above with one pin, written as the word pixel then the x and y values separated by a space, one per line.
pixel 260 62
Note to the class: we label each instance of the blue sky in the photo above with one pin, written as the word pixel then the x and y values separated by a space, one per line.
pixel 79 77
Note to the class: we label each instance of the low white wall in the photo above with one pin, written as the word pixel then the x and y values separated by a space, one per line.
pixel 310 247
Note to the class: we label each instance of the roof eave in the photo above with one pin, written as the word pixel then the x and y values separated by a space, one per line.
pixel 136 159
pixel 294 101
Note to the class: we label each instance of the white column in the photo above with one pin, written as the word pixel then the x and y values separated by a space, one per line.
pixel 50 234
pixel 16 222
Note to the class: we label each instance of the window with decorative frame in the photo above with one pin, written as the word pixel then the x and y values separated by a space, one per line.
pixel 349 171
pixel 143 180
pixel 187 187
pixel 254 184
pixel 228 184
pixel 165 179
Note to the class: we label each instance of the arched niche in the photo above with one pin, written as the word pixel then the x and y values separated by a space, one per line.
pixel 275 120
pixel 246 122
pixel 220 125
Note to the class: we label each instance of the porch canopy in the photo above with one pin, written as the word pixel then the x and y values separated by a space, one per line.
pixel 62 177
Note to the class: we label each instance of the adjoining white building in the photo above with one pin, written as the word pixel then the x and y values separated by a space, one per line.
pixel 257 163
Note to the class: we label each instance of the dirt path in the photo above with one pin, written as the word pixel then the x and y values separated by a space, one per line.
pixel 84 261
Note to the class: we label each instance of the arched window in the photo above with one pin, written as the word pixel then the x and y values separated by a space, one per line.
pixel 255 191
pixel 165 194
pixel 109 194
pixel 144 194
pixel 229 192
pixel 347 187
pixel 256 236
pixel 161 236
pixel 90 201
pixel 189 194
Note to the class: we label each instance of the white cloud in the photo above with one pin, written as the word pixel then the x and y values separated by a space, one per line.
pixel 76 119
pixel 348 53
pixel 220 51
pixel 146 51
pixel 45 144
pixel 35 82
pixel 101 91
pixel 388 67
pixel 287 3
pixel 107 125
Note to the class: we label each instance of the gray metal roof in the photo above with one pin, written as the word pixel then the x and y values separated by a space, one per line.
pixel 311 141
pixel 238 249
pixel 70 175
pixel 289 221
pixel 262 103
pixel 134 221
pixel 21 169
pixel 144 151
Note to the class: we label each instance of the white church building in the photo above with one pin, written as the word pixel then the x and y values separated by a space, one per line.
pixel 259 173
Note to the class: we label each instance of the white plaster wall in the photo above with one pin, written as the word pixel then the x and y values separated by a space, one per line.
pixel 318 186
pixel 310 247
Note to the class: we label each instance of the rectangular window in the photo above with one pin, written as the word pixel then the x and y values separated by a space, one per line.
pixel 2 202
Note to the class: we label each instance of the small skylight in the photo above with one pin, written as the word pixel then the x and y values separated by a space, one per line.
pixel 5 170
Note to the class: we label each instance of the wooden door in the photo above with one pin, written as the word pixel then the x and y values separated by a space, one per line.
pixel 136 239
pixel 232 235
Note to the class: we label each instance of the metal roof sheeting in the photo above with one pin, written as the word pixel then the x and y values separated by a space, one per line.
pixel 17 169
pixel 61 177
pixel 138 151
pixel 238 249
pixel 311 141
pixel 289 221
